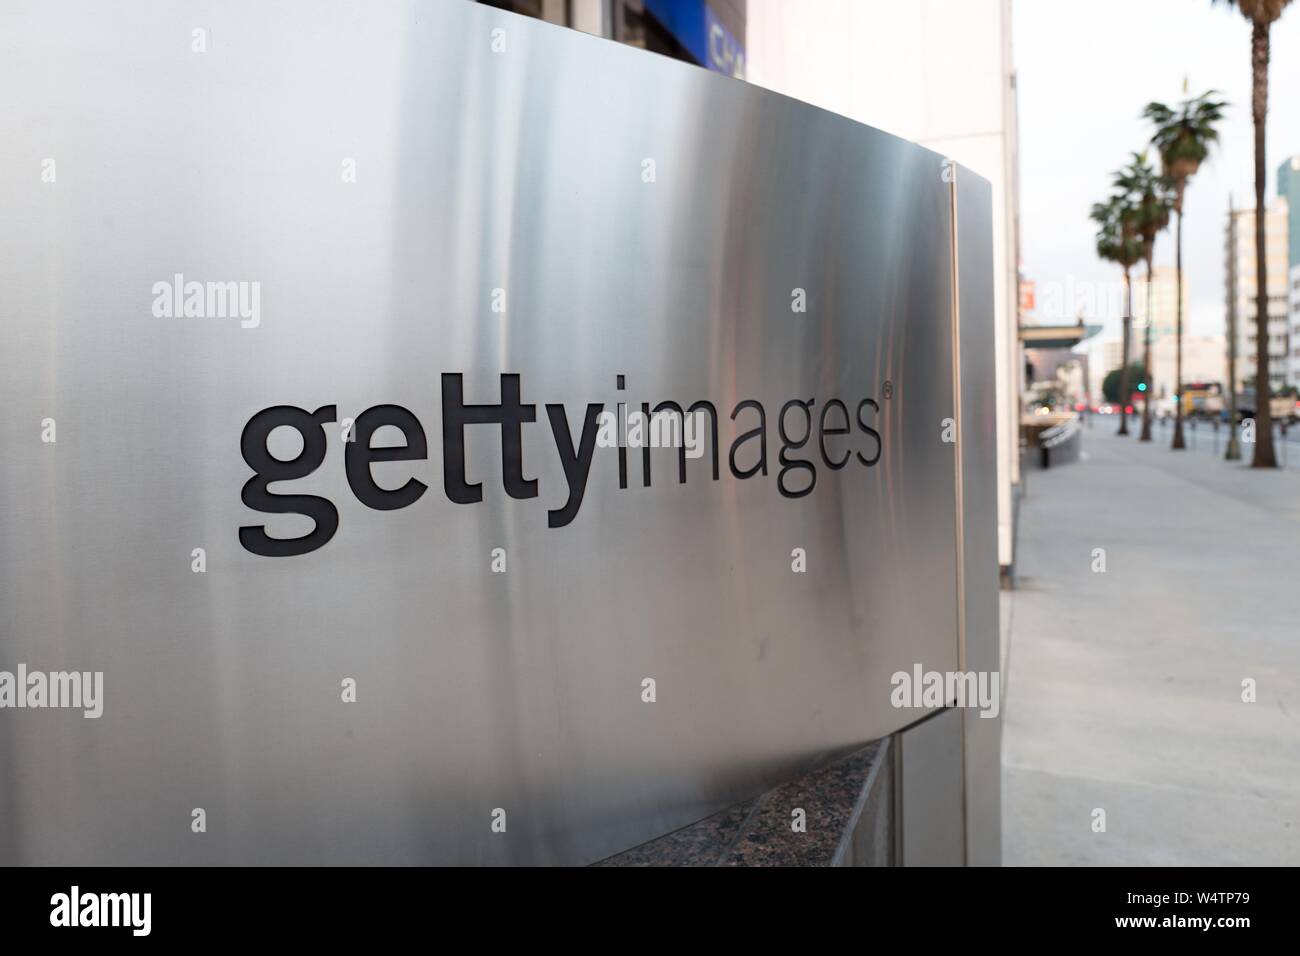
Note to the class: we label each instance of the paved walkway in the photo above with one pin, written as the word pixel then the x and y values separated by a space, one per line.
pixel 1123 689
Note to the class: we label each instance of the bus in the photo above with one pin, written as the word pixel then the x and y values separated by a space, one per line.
pixel 1202 399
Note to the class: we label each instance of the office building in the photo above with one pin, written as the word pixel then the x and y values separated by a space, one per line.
pixel 1239 249
pixel 1204 360
pixel 1288 187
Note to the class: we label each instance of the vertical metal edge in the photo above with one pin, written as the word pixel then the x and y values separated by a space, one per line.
pixel 959 511
pixel 896 755
pixel 978 569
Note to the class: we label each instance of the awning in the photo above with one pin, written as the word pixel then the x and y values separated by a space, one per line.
pixel 1056 336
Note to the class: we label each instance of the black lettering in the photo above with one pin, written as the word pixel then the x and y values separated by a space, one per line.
pixel 622 436
pixel 760 431
pixel 510 415
pixel 359 456
pixel 795 464
pixel 870 431
pixel 823 431
pixel 645 444
pixel 713 421
pixel 577 465
pixel 268 468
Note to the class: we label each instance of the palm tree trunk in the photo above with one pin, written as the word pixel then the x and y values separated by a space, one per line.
pixel 1123 363
pixel 1264 457
pixel 1233 451
pixel 1178 443
pixel 1146 364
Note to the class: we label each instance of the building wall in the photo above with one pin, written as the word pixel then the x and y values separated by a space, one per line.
pixel 1288 187
pixel 936 72
pixel 1294 363
pixel 1164 303
pixel 1205 359
pixel 1240 253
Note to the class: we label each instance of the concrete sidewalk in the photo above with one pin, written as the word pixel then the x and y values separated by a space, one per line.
pixel 1123 688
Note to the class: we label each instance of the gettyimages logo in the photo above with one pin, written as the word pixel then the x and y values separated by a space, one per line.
pixel 810 434
pixel 930 689
pixel 102 909
pixel 56 689
pixel 208 300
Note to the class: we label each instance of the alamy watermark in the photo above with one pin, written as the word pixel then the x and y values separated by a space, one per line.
pixel 75 908
pixel 83 690
pixel 179 299
pixel 666 428
pixel 929 689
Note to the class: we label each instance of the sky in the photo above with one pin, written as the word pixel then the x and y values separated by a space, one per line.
pixel 1084 73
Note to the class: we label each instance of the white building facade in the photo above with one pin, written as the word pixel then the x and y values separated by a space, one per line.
pixel 1240 254
pixel 1294 363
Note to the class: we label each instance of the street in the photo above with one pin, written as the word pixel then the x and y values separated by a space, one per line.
pixel 1124 687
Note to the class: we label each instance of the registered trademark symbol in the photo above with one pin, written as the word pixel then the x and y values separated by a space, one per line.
pixel 887 390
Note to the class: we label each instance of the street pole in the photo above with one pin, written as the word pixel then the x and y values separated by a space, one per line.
pixel 1234 450
pixel 1125 386
pixel 1178 443
pixel 1146 362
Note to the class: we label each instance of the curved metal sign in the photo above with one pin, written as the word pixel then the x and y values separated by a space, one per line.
pixel 332 363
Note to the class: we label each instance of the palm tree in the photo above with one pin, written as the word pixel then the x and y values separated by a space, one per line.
pixel 1151 195
pixel 1261 14
pixel 1183 138
pixel 1117 242
pixel 1233 450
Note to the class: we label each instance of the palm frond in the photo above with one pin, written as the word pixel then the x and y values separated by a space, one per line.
pixel 1262 12
pixel 1183 135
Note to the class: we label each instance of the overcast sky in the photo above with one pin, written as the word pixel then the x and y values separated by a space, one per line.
pixel 1085 72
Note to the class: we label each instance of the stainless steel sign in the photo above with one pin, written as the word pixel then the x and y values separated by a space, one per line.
pixel 308 336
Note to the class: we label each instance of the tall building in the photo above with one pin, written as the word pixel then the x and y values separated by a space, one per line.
pixel 1204 360
pixel 1164 303
pixel 1294 361
pixel 1104 358
pixel 938 73
pixel 1239 249
pixel 1198 364
pixel 1288 186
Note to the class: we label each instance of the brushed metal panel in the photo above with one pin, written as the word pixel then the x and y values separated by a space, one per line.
pixel 475 170
pixel 982 735
pixel 930 820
